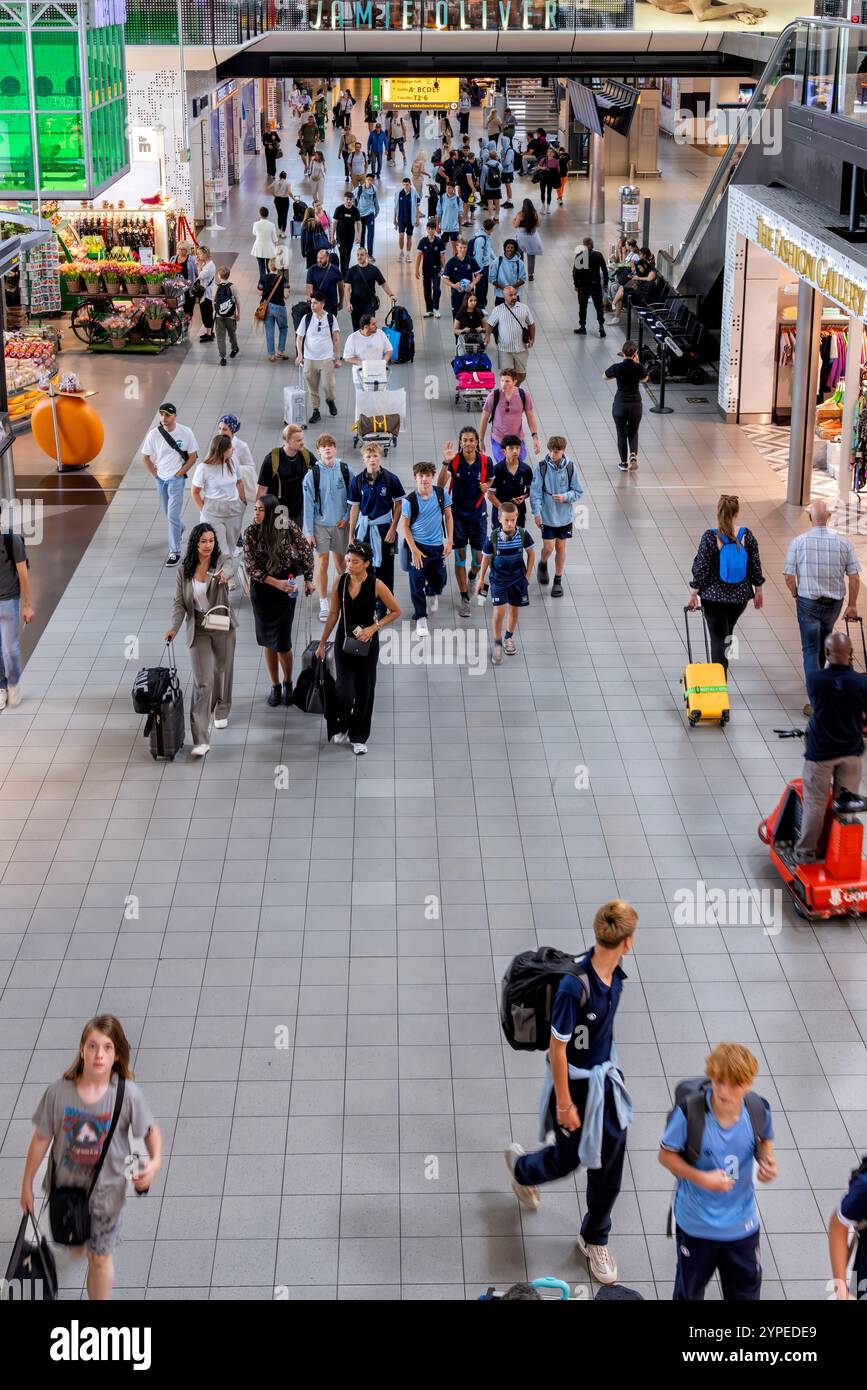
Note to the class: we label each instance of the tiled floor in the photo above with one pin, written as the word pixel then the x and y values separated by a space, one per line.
pixel 369 910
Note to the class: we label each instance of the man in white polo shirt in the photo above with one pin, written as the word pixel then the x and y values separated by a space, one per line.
pixel 367 344
pixel 317 346
pixel 516 332
pixel 169 452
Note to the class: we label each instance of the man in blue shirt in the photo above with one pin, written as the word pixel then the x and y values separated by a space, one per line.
pixel 715 1212
pixel 428 265
pixel 461 274
pixel 374 509
pixel 449 215
pixel 326 513
pixel 555 489
pixel 367 202
pixel 376 144
pixel 480 249
pixel 427 530
pixel 505 550
pixel 467 474
pixel 406 218
pixel 507 269
pixel 584 1100
pixel 834 745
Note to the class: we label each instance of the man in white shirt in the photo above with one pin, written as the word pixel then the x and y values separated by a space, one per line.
pixel 513 321
pixel 367 344
pixel 817 567
pixel 169 452
pixel 317 347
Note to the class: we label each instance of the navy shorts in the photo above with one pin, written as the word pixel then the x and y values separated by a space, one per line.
pixel 557 533
pixel 515 594
pixel 470 530
pixel 405 228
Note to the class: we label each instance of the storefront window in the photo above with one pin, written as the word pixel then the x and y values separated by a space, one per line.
pixel 61 152
pixel 852 101
pixel 16 153
pixel 821 66
pixel 56 71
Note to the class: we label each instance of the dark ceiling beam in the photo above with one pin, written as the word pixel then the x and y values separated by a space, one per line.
pixel 266 63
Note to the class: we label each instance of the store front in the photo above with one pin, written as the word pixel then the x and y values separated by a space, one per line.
pixel 792 341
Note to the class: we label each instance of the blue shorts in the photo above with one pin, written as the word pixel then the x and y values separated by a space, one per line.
pixel 470 530
pixel 557 533
pixel 405 228
pixel 515 593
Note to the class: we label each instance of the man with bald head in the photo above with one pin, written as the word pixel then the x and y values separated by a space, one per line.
pixel 835 738
pixel 817 563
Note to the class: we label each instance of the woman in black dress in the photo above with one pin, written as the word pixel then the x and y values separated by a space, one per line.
pixel 353 613
pixel 627 409
pixel 275 552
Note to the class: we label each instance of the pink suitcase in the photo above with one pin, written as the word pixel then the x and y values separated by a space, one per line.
pixel 476 381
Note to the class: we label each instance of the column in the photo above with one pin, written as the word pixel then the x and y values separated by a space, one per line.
pixel 805 381
pixel 597 178
pixel 850 400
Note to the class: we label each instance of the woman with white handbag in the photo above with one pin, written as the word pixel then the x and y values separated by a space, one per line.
pixel 202 603
pixel 219 493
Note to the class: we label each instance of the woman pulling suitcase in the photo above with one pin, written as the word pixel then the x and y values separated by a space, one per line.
pixel 726 574
pixel 202 603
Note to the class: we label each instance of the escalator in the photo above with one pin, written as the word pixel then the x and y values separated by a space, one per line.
pixel 757 153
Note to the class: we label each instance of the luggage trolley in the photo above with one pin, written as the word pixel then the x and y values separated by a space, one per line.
pixel 473 369
pixel 380 414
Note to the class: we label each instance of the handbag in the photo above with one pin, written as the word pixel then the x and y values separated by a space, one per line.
pixel 351 645
pixel 525 332
pixel 261 309
pixel 69 1207
pixel 217 619
pixel 197 289
pixel 31 1270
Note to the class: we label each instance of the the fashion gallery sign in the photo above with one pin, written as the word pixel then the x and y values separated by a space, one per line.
pixel 818 270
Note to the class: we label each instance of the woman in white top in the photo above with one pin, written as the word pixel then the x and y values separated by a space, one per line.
pixel 317 175
pixel 207 278
pixel 265 244
pixel 242 455
pixel 282 194
pixel 218 492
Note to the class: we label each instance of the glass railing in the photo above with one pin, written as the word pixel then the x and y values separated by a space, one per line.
pixel 818 63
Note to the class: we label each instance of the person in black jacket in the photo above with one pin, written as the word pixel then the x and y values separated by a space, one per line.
pixel 724 600
pixel 590 277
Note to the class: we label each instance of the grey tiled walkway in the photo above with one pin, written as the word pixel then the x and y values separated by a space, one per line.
pixel 370 908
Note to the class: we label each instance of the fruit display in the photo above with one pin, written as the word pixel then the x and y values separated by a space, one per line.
pixel 30 362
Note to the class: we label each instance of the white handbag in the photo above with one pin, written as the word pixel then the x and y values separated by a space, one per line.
pixel 217 619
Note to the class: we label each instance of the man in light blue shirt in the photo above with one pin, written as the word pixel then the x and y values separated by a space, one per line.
pixel 367 203
pixel 713 1134
pixel 376 146
pixel 481 249
pixel 449 215
pixel 554 490
pixel 326 513
pixel 507 159
pixel 427 527
pixel 507 269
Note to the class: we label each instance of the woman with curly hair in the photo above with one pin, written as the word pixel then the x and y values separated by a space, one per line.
pixel 202 602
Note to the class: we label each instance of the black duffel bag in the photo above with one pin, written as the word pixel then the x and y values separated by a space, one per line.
pixel 31 1275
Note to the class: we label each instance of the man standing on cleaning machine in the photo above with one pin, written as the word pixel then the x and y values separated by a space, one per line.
pixel 835 738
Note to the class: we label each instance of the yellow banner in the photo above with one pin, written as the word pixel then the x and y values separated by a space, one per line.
pixel 415 92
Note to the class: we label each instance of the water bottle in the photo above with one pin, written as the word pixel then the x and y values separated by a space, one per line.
pixel 482 595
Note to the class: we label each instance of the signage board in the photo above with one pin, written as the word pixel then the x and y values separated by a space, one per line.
pixel 415 93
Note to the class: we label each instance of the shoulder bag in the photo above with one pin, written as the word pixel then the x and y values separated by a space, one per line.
pixel 351 645
pixel 261 309
pixel 525 332
pixel 69 1207
pixel 217 619
pixel 173 443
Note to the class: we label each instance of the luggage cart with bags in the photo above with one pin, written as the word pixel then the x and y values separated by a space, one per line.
pixel 380 415
pixel 474 371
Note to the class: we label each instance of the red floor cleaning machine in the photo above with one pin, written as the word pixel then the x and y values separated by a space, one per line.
pixel 835 885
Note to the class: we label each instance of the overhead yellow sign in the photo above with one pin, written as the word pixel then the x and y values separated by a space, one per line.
pixel 415 92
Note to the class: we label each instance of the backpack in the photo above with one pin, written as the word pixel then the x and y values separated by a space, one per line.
pixel 299 207
pixel 732 558
pixel 314 469
pixel 224 300
pixel 493 178
pixel 523 396
pixel 495 531
pixel 306 324
pixel 527 996
pixel 485 462
pixel 275 460
pixel 153 687
pixel 691 1097
pixel 413 504
pixel 398 319
pixel 480 236
pixel 543 471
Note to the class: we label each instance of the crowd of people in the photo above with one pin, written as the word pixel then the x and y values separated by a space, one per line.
pixel 303 525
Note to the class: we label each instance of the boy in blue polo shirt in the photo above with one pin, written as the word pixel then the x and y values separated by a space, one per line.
pixel 427 527
pixel 584 1100
pixel 850 1217
pixel 505 550
pixel 467 474
pixel 553 491
pixel 717 1220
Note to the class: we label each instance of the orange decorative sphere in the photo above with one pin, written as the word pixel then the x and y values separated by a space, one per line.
pixel 79 428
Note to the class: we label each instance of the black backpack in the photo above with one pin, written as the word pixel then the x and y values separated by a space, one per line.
pixel 691 1097
pixel 527 996
pixel 299 207
pixel 493 178
pixel 224 300
pixel 299 313
pixel 495 533
pixel 152 688
pixel 344 470
pixel 543 470
pixel 413 504
pixel 400 320
pixel 495 401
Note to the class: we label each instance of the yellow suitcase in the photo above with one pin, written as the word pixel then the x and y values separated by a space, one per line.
pixel 705 691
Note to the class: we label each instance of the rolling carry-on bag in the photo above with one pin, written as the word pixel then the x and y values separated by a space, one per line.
pixel 705 692
pixel 157 693
pixel 295 402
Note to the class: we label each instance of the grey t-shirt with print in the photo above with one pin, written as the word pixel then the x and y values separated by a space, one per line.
pixel 79 1132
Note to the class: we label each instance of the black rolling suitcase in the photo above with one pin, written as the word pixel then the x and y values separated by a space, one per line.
pixel 157 693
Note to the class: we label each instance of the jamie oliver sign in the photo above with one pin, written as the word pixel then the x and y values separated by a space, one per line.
pixel 439 15
pixel 818 270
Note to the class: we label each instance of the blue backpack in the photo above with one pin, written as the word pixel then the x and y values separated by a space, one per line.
pixel 733 558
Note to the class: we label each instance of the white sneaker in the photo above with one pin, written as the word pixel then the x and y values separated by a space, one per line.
pixel 359 748
pixel 428 315
pixel 13 695
pixel 437 314
pixel 324 608
pixel 527 1196
pixel 221 723
pixel 433 602
pixel 340 738
pixel 200 749
pixel 600 1261
pixel 421 627
pixel 3 698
